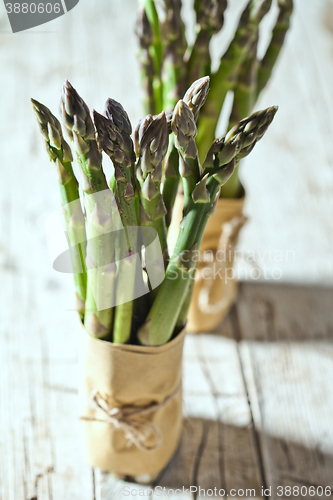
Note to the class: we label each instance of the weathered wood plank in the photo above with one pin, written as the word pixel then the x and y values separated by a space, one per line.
pixel 287 354
pixel 40 444
pixel 240 463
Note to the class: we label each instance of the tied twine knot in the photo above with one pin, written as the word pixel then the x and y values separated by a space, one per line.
pixel 132 420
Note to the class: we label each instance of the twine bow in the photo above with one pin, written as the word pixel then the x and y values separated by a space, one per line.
pixel 227 244
pixel 131 419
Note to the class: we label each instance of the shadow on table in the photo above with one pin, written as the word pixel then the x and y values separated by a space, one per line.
pixel 215 455
pixel 280 312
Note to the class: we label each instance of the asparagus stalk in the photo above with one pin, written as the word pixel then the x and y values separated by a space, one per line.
pixel 60 153
pixel 210 18
pixel 263 9
pixel 181 320
pixel 196 95
pixel 194 98
pixel 144 34
pixel 226 153
pixel 114 131
pixel 174 47
pixel 279 33
pixel 151 142
pixel 153 51
pixel 100 253
pixel 217 169
pixel 224 80
pixel 244 100
pixel 126 274
pixel 184 128
pixel 248 87
pixel 101 265
pixel 77 120
pixel 171 180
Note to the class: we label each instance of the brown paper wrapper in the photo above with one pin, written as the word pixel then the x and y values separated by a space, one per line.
pixel 127 376
pixel 215 288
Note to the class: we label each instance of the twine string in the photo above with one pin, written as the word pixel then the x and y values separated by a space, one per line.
pixel 130 419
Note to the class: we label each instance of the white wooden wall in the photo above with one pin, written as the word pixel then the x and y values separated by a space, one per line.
pixel 257 394
pixel 288 177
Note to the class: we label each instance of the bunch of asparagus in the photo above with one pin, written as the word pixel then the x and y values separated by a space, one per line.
pixel 169 65
pixel 107 239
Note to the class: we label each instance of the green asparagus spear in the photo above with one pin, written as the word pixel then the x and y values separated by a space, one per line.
pixel 60 153
pixel 114 131
pixel 279 33
pixel 217 168
pixel 244 100
pixel 151 142
pixel 144 34
pixel 245 89
pixel 196 95
pixel 184 128
pixel 223 157
pixel 194 98
pixel 224 80
pixel 100 252
pixel 248 86
pixel 76 118
pixel 174 47
pixel 210 18
pixel 155 51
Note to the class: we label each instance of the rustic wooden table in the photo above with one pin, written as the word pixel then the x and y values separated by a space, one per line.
pixel 257 399
pixel 257 393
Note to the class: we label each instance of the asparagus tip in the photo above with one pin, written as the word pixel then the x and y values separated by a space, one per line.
pixel 183 124
pixel 152 139
pixel 115 112
pixel 34 102
pixel 196 95
pixel 68 85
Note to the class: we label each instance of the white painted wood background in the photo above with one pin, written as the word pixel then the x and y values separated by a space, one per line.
pixel 289 176
pixel 258 402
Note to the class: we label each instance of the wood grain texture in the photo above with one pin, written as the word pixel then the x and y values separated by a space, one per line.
pixel 279 337
pixel 287 354
pixel 40 444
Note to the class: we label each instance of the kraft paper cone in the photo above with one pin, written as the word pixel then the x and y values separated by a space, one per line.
pixel 215 289
pixel 127 378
